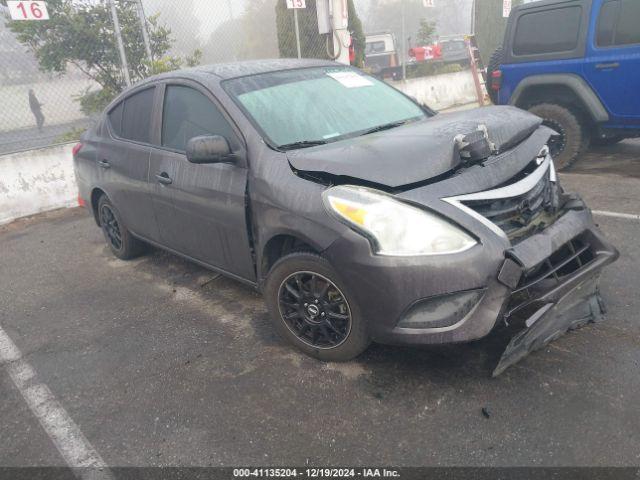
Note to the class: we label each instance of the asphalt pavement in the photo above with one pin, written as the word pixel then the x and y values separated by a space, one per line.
pixel 159 362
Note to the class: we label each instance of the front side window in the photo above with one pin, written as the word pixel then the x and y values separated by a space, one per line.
pixel 188 113
pixel 628 29
pixel 320 105
pixel 607 23
pixel 618 23
pixel 548 31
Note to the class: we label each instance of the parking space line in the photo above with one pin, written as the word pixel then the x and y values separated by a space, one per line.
pixel 62 430
pixel 627 216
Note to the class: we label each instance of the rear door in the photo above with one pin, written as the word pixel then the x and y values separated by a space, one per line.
pixel 612 65
pixel 123 160
pixel 201 209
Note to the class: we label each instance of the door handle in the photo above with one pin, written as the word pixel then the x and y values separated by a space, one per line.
pixel 164 178
pixel 607 66
pixel 104 164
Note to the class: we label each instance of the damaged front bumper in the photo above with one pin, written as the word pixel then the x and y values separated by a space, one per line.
pixel 551 278
pixel 554 277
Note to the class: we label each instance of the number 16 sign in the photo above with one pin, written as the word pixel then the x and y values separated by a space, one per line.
pixel 24 10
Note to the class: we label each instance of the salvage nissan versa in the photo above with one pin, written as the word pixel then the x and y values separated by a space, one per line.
pixel 360 215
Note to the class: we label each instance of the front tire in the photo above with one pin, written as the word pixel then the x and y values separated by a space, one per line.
pixel 573 139
pixel 120 241
pixel 311 307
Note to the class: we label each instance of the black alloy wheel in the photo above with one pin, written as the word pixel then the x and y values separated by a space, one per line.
pixel 111 226
pixel 314 309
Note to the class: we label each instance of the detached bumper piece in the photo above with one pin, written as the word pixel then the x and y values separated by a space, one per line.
pixel 554 277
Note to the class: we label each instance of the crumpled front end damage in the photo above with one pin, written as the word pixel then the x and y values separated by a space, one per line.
pixel 555 280
pixel 538 254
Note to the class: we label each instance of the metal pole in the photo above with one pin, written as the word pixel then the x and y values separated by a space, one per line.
pixel 473 18
pixel 295 21
pixel 404 42
pixel 145 33
pixel 123 55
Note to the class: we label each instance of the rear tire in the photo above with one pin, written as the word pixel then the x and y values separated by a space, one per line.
pixel 573 139
pixel 494 64
pixel 120 241
pixel 320 317
pixel 606 141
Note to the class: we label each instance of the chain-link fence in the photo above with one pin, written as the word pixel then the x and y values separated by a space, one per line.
pixel 59 73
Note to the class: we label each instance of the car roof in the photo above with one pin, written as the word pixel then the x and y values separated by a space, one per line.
pixel 225 71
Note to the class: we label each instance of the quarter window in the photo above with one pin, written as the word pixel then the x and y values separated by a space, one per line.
pixel 115 119
pixel 549 31
pixel 189 113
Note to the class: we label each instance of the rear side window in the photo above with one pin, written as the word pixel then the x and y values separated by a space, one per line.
pixel 136 117
pixel 188 113
pixel 618 23
pixel 549 31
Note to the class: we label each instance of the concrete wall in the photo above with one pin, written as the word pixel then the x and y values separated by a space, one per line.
pixel 440 91
pixel 36 181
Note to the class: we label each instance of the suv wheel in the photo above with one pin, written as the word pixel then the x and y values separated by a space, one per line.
pixel 606 141
pixel 311 307
pixel 572 139
pixel 494 64
pixel 123 245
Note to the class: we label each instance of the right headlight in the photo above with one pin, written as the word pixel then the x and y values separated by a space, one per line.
pixel 394 228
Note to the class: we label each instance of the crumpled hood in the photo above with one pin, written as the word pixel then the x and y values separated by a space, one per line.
pixel 415 152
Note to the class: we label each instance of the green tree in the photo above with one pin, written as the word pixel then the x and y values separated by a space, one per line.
pixel 80 33
pixel 490 26
pixel 425 32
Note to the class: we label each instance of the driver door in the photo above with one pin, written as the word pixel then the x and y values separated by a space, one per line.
pixel 200 208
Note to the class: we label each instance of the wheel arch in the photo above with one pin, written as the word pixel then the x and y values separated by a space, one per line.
pixel 96 193
pixel 569 86
pixel 280 244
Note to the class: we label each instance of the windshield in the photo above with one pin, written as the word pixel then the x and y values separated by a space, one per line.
pixel 310 106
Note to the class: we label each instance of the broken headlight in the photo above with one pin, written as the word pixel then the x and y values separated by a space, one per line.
pixel 394 228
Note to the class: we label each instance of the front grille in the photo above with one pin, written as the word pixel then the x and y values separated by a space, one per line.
pixel 570 258
pixel 521 215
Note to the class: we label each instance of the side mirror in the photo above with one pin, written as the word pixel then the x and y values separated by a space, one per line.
pixel 208 149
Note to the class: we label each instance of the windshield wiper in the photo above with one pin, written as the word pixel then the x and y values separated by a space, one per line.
pixel 302 144
pixel 386 126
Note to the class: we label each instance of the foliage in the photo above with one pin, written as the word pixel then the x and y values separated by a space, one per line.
pixel 426 32
pixel 312 44
pixel 249 36
pixel 357 34
pixel 452 17
pixel 427 69
pixel 80 33
pixel 490 26
pixel 72 135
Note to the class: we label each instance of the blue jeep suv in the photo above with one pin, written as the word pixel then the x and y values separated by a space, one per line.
pixel 576 64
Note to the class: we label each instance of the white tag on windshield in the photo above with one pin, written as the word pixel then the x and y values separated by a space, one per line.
pixel 350 79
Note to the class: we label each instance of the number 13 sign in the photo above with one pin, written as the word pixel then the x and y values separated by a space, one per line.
pixel 21 10
pixel 296 4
